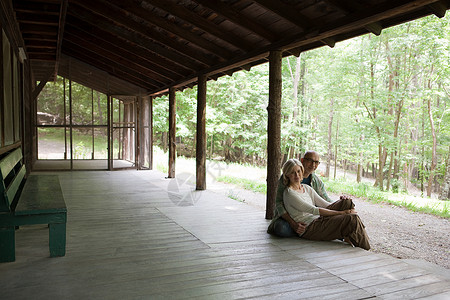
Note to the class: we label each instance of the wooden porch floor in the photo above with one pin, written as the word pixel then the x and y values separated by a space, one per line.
pixel 135 235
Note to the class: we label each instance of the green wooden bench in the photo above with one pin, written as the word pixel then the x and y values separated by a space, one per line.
pixel 37 199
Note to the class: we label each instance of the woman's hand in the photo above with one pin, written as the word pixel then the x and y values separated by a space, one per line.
pixel 299 228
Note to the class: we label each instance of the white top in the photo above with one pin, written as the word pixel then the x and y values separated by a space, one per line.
pixel 303 207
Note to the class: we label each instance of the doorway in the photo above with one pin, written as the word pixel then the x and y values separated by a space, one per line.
pixel 123 132
pixel 78 128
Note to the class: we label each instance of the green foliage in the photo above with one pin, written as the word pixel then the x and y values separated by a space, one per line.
pixel 343 102
pixel 395 184
pixel 89 107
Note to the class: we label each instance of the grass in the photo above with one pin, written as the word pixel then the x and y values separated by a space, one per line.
pixel 235 197
pixel 361 190
pixel 247 184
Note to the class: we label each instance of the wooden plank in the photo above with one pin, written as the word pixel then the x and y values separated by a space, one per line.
pixel 344 290
pixel 145 246
pixel 10 161
pixel 15 186
pixel 411 285
pixel 388 276
pixel 41 194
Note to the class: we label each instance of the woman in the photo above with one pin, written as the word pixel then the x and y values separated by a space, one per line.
pixel 324 221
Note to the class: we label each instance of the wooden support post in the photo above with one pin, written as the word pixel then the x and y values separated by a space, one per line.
pixel 138 126
pixel 110 132
pixel 150 133
pixel 172 132
pixel 201 134
pixel 273 131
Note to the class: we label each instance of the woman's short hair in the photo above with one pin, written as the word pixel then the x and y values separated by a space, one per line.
pixel 288 167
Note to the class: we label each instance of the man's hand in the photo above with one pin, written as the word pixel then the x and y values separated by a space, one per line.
pixel 299 228
pixel 350 211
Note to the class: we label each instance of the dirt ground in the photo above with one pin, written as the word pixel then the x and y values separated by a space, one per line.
pixel 405 234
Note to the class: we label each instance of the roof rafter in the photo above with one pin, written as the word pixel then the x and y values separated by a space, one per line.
pixel 107 49
pixel 61 25
pixel 122 11
pixel 138 35
pixel 351 7
pixel 120 71
pixel 129 49
pixel 287 12
pixel 123 61
pixel 185 14
pixel 234 16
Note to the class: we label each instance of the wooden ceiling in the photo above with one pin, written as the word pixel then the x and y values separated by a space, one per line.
pixel 146 46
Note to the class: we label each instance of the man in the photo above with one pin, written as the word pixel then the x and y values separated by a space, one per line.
pixel 282 224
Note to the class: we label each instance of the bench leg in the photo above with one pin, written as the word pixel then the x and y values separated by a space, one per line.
pixel 7 244
pixel 57 239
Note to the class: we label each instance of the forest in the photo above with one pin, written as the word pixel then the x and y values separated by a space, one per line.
pixel 376 105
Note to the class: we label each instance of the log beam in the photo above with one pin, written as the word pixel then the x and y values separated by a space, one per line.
pixel 150 115
pixel 201 134
pixel 172 132
pixel 273 130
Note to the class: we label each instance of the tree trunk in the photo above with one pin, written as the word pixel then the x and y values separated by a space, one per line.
pixel 100 112
pixel 388 179
pixel 302 105
pixel 382 155
pixel 227 149
pixel 373 116
pixel 358 173
pixel 393 85
pixel 297 79
pixel 445 189
pixel 335 160
pixel 336 147
pixel 433 157
pixel 330 127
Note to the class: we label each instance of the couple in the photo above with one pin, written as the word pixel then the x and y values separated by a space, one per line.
pixel 303 207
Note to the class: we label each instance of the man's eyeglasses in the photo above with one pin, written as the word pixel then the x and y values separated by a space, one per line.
pixel 312 160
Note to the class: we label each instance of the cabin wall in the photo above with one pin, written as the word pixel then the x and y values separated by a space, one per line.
pixel 15 87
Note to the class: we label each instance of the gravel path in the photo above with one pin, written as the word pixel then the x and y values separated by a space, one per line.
pixel 405 234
